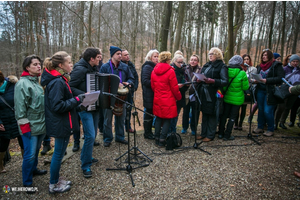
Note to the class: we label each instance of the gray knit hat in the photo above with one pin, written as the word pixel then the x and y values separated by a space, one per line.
pixel 236 60
pixel 294 57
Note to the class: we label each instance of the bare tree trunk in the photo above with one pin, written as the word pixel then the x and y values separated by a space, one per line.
pixel 283 28
pixel 230 45
pixel 295 40
pixel 99 23
pixel 121 23
pixel 271 25
pixel 81 27
pixel 90 24
pixel 201 48
pixel 199 22
pixel 165 24
pixel 249 44
pixel 181 9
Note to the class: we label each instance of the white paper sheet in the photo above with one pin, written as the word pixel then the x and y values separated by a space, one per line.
pixel 199 76
pixel 257 77
pixel 90 98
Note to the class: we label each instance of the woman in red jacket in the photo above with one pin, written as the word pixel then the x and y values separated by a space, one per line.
pixel 166 92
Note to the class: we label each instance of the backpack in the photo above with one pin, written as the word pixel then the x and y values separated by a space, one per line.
pixel 173 141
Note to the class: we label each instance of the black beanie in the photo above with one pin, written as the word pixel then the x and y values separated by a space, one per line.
pixel 113 50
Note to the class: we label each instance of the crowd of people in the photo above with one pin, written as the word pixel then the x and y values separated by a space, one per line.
pixel 45 102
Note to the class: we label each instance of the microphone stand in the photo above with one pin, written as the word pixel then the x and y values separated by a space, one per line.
pixel 129 167
pixel 250 136
pixel 196 145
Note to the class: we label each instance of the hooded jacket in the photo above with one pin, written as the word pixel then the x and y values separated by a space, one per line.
pixel 166 91
pixel 7 116
pixel 60 105
pixel 78 76
pixel 29 105
pixel 235 92
pixel 148 93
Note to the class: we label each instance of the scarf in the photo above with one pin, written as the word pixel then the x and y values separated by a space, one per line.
pixel 3 86
pixel 266 66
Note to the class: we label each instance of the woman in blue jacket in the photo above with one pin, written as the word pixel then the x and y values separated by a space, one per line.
pixel 60 113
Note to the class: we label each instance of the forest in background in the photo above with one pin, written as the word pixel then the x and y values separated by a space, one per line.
pixel 45 27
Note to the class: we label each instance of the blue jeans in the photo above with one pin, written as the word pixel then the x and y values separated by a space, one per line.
pixel 265 111
pixel 119 126
pixel 59 152
pixel 90 124
pixel 30 157
pixel 174 120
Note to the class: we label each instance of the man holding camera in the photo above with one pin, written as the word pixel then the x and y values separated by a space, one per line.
pixel 115 66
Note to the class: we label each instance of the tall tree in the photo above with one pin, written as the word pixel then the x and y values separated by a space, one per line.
pixel 165 24
pixel 181 9
pixel 229 52
pixel 271 25
pixel 81 26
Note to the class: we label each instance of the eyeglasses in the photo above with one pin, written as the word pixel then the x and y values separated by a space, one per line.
pixel 210 54
pixel 179 62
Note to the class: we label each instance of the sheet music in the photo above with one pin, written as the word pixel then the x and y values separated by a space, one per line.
pixel 90 98
pixel 199 76
pixel 257 77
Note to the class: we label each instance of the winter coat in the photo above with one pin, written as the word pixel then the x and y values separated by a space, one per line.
pixel 295 78
pixel 274 77
pixel 181 78
pixel 148 93
pixel 29 105
pixel 60 105
pixel 134 73
pixel 235 91
pixel 78 76
pixel 296 90
pixel 7 116
pixel 126 75
pixel 207 92
pixel 166 91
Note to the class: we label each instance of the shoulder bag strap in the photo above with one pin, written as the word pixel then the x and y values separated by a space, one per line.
pixel 6 103
pixel 230 83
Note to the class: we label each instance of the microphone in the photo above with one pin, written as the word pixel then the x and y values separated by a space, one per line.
pixel 183 65
pixel 245 64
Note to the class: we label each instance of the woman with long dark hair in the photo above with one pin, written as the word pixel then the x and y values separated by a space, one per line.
pixel 272 73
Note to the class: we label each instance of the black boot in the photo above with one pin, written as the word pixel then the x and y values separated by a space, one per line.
pixel 46 148
pixel 75 147
pixel 281 125
pixel 162 143
pixel 148 130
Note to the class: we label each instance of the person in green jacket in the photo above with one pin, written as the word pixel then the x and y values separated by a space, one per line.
pixel 30 115
pixel 233 96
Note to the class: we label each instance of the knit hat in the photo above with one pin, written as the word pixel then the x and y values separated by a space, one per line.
pixel 294 57
pixel 113 50
pixel 276 55
pixel 236 60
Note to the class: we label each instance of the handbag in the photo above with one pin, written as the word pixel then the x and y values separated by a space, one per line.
pixel 249 94
pixel 281 92
pixel 173 141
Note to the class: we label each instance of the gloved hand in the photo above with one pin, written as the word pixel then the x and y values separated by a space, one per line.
pixel 81 97
pixel 209 80
pixel 28 135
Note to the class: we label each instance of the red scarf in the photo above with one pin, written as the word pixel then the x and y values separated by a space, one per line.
pixel 266 66
pixel 24 73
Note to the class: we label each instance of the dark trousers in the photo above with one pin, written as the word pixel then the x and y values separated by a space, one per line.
pixel 241 116
pixel 230 111
pixel 130 100
pixel 76 134
pixel 161 133
pixel 174 120
pixel 209 125
pixel 294 110
pixel 185 116
pixel 4 143
pixel 148 120
pixel 101 120
pixel 283 109
pixel 46 141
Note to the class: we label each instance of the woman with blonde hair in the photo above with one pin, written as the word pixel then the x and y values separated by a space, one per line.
pixel 60 113
pixel 151 60
pixel 166 93
pixel 216 76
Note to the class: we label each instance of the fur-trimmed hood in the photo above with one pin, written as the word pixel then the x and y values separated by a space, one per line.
pixel 13 79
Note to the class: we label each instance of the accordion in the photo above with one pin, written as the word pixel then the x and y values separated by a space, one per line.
pixel 108 83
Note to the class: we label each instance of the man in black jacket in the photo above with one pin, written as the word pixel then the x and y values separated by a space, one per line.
pixel 87 64
pixel 125 59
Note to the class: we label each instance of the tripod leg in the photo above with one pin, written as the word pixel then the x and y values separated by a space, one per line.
pixel 144 154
